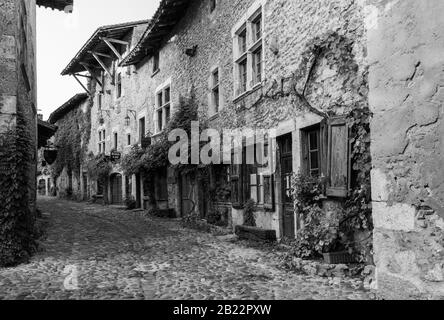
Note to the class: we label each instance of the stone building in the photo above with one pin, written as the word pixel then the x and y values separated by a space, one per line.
pixel 239 61
pixel 62 173
pixel 405 42
pixel 115 115
pixel 298 69
pixel 18 108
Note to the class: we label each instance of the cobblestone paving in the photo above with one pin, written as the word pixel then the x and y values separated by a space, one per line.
pixel 95 252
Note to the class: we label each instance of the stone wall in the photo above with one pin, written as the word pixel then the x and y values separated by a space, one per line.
pixel 18 75
pixel 406 79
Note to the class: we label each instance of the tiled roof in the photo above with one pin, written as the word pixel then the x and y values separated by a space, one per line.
pixel 69 105
pixel 94 43
pixel 55 4
pixel 164 20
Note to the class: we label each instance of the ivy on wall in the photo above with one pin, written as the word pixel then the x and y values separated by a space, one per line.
pixel 16 219
pixel 72 138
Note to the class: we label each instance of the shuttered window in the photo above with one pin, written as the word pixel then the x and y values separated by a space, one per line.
pixel 338 157
pixel 248 181
pixel 326 153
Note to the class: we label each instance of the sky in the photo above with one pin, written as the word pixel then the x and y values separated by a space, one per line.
pixel 60 36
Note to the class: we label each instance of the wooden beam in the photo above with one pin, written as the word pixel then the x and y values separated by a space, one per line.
pixel 91 73
pixel 102 64
pixel 83 76
pixel 80 82
pixel 110 45
pixel 115 41
pixel 101 54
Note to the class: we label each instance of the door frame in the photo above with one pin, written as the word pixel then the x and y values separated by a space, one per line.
pixel 284 206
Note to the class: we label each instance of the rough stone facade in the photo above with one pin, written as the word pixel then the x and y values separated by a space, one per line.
pixel 18 74
pixel 406 78
pixel 285 45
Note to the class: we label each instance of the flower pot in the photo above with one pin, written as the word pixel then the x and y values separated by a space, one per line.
pixel 342 257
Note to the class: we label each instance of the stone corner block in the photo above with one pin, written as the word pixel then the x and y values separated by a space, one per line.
pixel 380 185
pixel 398 217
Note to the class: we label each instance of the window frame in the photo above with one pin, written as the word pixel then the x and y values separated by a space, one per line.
pixel 163 108
pixel 252 37
pixel 156 62
pixel 215 90
pixel 102 141
pixel 119 91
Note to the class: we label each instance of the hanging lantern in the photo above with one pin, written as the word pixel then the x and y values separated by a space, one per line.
pixel 127 121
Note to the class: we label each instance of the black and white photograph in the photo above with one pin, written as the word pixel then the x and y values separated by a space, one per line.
pixel 222 155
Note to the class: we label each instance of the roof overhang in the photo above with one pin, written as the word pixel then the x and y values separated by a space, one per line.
pixel 45 132
pixel 166 17
pixel 99 46
pixel 61 5
pixel 69 105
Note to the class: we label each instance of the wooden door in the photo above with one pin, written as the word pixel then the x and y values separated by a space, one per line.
pixel 286 164
pixel 186 194
pixel 116 189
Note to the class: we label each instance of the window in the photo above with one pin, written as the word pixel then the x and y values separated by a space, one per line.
pixel 243 76
pixel 99 101
pixel 119 85
pixel 257 66
pixel 249 54
pixel 326 152
pixel 128 139
pixel 256 28
pixel 156 62
pixel 141 129
pixel 116 141
pixel 102 141
pixel 163 108
pixel 213 4
pixel 312 151
pixel 251 181
pixel 215 98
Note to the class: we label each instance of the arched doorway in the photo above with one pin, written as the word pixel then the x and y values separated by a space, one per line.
pixel 116 189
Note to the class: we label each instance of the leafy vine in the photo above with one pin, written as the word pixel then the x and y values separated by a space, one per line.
pixel 16 219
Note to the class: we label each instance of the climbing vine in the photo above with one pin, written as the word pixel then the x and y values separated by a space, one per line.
pixel 71 139
pixel 16 219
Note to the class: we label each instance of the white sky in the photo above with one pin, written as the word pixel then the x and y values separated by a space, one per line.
pixel 60 36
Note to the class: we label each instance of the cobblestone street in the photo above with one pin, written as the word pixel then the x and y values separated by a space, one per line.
pixel 95 252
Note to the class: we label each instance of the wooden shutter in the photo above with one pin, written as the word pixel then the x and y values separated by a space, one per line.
pixel 236 186
pixel 269 200
pixel 338 160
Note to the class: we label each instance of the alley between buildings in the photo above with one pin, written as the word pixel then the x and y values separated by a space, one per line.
pixel 97 252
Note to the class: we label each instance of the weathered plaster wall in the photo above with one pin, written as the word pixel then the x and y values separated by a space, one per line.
pixel 406 79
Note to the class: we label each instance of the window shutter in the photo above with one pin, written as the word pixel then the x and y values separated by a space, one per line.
pixel 268 182
pixel 236 186
pixel 338 160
